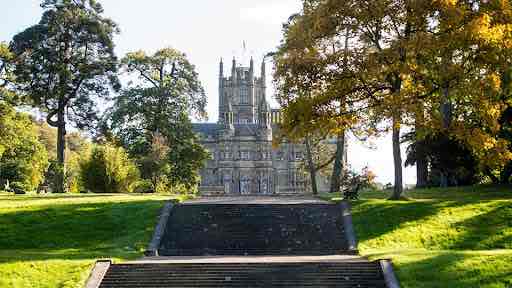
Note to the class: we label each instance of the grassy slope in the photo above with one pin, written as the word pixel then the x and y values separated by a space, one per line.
pixel 460 237
pixel 53 241
pixel 443 238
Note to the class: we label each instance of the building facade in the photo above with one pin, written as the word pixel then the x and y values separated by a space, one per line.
pixel 243 161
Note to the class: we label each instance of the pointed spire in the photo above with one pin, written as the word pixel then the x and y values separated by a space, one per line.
pixel 221 68
pixel 233 68
pixel 263 72
pixel 251 71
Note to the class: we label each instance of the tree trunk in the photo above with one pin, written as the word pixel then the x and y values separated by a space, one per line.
pixel 339 163
pixel 311 166
pixel 421 158
pixel 397 120
pixel 421 170
pixel 506 173
pixel 446 114
pixel 397 159
pixel 61 148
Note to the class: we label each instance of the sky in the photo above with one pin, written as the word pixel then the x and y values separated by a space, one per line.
pixel 207 30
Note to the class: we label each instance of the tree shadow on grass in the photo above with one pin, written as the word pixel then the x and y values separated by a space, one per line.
pixel 374 219
pixel 74 231
pixel 456 270
pixel 490 230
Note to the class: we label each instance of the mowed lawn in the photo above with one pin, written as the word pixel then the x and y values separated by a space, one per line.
pixel 455 237
pixel 53 241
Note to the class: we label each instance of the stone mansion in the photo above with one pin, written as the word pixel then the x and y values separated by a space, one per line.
pixel 243 161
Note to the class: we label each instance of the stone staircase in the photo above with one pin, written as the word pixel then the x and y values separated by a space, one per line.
pixel 304 245
pixel 254 229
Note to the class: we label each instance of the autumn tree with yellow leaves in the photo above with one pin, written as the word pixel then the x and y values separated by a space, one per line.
pixel 439 66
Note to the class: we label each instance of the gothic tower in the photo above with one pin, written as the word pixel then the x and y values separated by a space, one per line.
pixel 243 90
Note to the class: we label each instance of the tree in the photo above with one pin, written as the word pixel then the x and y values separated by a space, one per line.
pixel 65 62
pixel 108 169
pixel 338 71
pixel 300 65
pixel 311 165
pixel 166 93
pixel 464 61
pixel 155 165
pixel 23 160
pixel 437 65
pixel 320 155
pixel 7 92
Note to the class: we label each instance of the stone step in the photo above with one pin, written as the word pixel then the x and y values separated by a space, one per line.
pixel 349 274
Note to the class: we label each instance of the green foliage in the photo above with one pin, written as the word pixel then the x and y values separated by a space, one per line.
pixel 6 77
pixel 76 149
pixel 167 92
pixel 108 169
pixel 155 166
pixel 48 137
pixel 67 60
pixel 23 160
pixel 503 174
pixel 63 64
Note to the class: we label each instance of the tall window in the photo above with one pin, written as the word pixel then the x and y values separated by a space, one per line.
pixel 245 155
pixel 244 95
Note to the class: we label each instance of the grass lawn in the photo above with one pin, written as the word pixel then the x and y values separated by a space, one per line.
pixel 455 237
pixel 53 241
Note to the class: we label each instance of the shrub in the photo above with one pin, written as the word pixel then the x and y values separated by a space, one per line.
pixel 108 169
pixel 144 186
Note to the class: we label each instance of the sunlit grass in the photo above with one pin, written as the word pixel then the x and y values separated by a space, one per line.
pixel 53 241
pixel 455 237
pixel 450 268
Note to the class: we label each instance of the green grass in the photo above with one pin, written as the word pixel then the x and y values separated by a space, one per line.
pixel 53 241
pixel 455 237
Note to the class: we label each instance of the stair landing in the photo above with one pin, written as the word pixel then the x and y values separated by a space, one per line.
pixel 257 200
pixel 249 259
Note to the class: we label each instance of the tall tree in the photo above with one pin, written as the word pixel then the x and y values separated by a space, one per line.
pixel 309 74
pixel 167 91
pixel 462 61
pixel 64 63
pixel 350 61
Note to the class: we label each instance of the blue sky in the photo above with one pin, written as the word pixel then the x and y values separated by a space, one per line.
pixel 205 30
